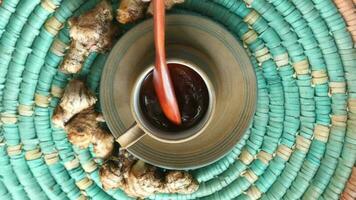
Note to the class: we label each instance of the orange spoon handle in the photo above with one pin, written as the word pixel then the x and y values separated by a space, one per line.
pixel 161 77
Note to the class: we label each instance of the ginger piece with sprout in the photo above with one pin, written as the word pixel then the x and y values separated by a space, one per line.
pixel 140 180
pixel 93 31
pixel 131 10
pixel 75 99
pixel 84 129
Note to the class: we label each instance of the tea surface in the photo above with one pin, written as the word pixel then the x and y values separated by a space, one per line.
pixel 192 96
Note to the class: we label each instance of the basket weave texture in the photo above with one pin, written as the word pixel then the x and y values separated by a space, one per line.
pixel 301 144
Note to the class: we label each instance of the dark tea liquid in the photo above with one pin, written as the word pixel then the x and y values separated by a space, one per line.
pixel 192 96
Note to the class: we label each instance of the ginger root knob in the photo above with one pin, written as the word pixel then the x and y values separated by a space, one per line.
pixel 75 99
pixel 93 31
pixel 76 114
pixel 131 10
pixel 84 129
pixel 140 180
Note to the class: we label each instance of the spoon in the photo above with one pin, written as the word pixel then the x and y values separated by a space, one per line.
pixel 161 77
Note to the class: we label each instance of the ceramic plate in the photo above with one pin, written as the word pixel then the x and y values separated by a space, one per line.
pixel 135 50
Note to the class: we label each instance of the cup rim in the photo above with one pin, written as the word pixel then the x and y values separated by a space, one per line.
pixel 198 128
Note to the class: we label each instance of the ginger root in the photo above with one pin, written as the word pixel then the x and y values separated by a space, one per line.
pixel 103 143
pixel 74 59
pixel 180 182
pixel 131 10
pixel 84 129
pixel 77 116
pixel 75 99
pixel 141 180
pixel 114 172
pixel 93 31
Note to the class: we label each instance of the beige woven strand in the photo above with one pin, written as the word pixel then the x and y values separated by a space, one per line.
pixel 246 157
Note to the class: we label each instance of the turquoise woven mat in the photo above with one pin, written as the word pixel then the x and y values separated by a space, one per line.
pixel 302 143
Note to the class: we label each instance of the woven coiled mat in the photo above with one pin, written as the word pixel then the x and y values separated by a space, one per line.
pixel 301 144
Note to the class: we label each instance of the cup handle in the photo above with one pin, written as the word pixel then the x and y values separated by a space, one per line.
pixel 131 136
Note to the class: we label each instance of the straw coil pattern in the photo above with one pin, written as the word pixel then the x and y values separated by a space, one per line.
pixel 301 144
